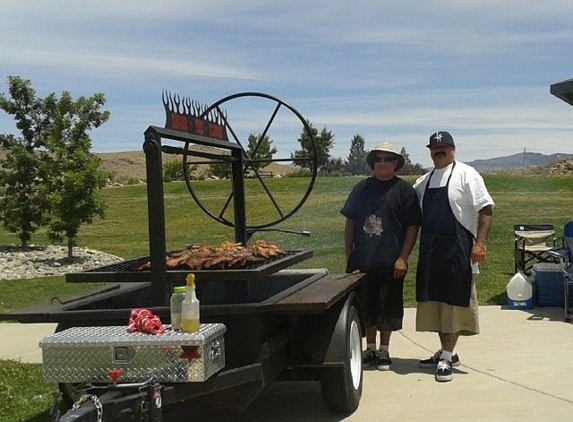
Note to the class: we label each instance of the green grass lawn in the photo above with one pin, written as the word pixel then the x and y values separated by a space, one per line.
pixel 124 232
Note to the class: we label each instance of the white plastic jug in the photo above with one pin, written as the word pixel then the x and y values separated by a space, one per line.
pixel 520 292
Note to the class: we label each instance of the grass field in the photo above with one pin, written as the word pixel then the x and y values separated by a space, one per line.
pixel 533 199
pixel 124 231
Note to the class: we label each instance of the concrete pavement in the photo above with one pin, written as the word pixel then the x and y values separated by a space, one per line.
pixel 520 368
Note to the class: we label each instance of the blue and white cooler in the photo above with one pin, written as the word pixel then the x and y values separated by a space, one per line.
pixel 549 285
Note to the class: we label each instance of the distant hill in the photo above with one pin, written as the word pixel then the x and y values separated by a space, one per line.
pixel 131 164
pixel 517 161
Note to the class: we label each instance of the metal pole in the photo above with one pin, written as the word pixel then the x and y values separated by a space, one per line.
pixel 156 217
pixel 239 196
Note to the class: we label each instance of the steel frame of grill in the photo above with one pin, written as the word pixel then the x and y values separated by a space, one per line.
pixel 153 148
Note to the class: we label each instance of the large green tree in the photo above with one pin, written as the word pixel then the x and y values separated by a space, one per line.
pixel 23 172
pixel 49 175
pixel 75 175
pixel 324 143
pixel 356 161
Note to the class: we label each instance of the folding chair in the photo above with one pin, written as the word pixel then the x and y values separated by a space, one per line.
pixel 532 244
pixel 568 239
pixel 567 269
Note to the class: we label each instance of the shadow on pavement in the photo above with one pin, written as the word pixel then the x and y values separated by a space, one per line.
pixel 280 402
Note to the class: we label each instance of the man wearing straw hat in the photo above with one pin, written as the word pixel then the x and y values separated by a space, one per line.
pixel 382 219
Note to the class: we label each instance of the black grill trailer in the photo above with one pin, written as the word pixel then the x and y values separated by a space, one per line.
pixel 281 323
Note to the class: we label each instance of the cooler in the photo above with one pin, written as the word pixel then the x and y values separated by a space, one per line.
pixel 88 354
pixel 549 285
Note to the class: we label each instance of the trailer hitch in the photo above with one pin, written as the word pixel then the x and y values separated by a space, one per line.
pixel 115 402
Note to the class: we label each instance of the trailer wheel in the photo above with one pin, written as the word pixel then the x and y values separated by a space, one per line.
pixel 341 387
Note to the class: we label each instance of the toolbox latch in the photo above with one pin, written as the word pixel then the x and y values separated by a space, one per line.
pixel 123 354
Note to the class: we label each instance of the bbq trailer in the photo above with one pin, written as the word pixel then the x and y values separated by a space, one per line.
pixel 260 324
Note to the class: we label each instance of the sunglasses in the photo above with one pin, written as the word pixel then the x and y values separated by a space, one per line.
pixel 386 159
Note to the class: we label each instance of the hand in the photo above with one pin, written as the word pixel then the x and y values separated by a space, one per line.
pixel 400 268
pixel 478 253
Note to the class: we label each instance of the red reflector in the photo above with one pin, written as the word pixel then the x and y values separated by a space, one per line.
pixel 190 352
pixel 114 375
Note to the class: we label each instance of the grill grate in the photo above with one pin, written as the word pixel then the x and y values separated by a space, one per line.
pixel 122 272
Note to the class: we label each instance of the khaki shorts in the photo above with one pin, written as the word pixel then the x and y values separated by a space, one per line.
pixel 449 319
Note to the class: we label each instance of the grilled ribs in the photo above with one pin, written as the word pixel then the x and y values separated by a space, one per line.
pixel 226 256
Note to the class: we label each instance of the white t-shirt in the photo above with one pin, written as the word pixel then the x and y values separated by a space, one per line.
pixel 467 193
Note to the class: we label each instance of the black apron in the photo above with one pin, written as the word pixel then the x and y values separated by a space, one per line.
pixel 378 235
pixel 444 271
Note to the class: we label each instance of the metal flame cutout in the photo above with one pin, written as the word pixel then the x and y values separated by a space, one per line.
pixel 176 104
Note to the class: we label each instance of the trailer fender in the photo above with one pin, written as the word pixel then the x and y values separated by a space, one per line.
pixel 325 333
pixel 335 353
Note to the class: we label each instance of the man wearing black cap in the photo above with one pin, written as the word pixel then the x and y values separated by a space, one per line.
pixel 382 220
pixel 456 218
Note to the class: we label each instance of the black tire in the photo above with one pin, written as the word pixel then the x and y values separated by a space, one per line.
pixel 341 386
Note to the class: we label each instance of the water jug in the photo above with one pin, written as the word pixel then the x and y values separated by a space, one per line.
pixel 519 292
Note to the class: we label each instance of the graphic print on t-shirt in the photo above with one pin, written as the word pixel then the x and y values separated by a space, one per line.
pixel 373 225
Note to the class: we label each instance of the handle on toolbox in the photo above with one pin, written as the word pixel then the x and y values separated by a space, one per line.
pixel 216 349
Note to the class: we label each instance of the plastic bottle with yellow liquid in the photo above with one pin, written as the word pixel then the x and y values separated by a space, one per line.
pixel 190 307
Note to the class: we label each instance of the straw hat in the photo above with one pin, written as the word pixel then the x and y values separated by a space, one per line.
pixel 385 147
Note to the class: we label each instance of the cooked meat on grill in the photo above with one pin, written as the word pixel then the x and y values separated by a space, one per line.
pixel 266 250
pixel 228 255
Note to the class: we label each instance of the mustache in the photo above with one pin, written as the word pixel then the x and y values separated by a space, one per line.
pixel 437 154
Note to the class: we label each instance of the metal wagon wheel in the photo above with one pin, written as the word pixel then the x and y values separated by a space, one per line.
pixel 275 118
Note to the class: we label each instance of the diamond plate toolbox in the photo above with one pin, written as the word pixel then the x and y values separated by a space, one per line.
pixel 88 354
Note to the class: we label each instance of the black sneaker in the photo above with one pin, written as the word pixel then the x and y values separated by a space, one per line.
pixel 433 361
pixel 383 360
pixel 444 371
pixel 368 357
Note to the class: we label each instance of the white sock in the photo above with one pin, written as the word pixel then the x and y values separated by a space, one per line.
pixel 384 348
pixel 371 346
pixel 445 355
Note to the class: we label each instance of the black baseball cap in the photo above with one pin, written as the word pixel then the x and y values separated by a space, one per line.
pixel 441 138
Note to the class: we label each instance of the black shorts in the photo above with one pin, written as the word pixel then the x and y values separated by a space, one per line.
pixel 382 300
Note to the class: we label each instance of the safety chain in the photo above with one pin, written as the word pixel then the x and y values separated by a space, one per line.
pixel 96 402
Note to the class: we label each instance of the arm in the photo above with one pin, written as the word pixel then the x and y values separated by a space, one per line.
pixel 484 225
pixel 401 264
pixel 348 237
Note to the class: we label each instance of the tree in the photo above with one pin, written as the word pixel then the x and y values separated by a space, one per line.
pixel 409 167
pixel 334 166
pixel 24 170
pixel 324 143
pixel 221 169
pixel 260 149
pixel 356 161
pixel 172 170
pixel 75 175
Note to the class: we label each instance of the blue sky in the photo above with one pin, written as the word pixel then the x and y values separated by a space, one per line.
pixel 389 71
